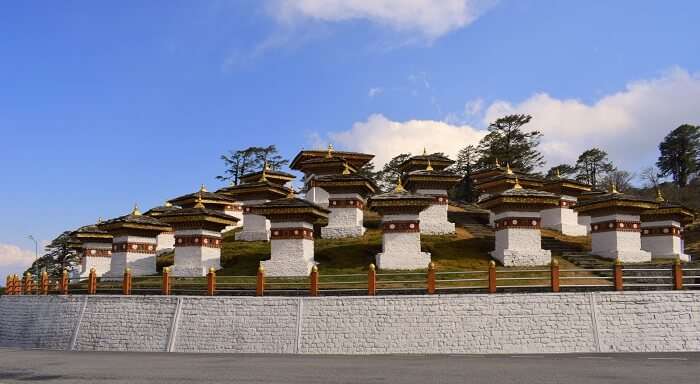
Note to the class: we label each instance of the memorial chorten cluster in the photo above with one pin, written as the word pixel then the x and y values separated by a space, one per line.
pixel 400 211
pixel 197 238
pixel 292 235
pixel 517 223
pixel 95 249
pixel 255 192
pixel 563 218
pixel 615 225
pixel 422 177
pixel 134 243
pixel 662 229
pixel 315 163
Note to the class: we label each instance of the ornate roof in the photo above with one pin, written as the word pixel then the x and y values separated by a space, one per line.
pixel 291 207
pixel 262 189
pixel 356 182
pixel 520 196
pixel 400 200
pixel 160 210
pixel 207 198
pixel 562 185
pixel 277 177
pixel 419 162
pixel 198 214
pixel 424 177
pixel 91 231
pixel 134 220
pixel 355 159
pixel 613 200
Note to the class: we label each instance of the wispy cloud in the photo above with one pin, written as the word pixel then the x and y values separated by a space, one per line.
pixel 375 91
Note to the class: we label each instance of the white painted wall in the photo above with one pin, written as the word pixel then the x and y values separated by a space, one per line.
pixel 520 246
pixel 255 227
pixel 165 242
pixel 401 250
pixel 141 264
pixel 664 247
pixel 290 257
pixel 564 220
pixel 626 246
pixel 193 261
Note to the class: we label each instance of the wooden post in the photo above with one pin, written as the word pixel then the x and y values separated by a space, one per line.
pixel 28 283
pixel 260 281
pixel 64 282
pixel 126 282
pixel 165 287
pixel 677 275
pixel 92 282
pixel 617 275
pixel 313 281
pixel 9 285
pixel 555 275
pixel 44 283
pixel 492 276
pixel 17 285
pixel 431 278
pixel 211 282
pixel 372 280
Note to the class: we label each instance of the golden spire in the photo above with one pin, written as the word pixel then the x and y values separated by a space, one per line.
pixel 558 174
pixel 346 171
pixel 425 152
pixel 99 220
pixel 263 177
pixel 429 167
pixel 613 189
pixel 330 151
pixel 136 211
pixel 517 184
pixel 498 164
pixel 508 170
pixel 291 194
pixel 168 204
pixel 203 188
pixel 399 185
pixel 659 196
pixel 199 203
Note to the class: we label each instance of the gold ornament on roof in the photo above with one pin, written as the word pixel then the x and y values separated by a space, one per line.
pixel 613 188
pixel 263 177
pixel 659 196
pixel 508 170
pixel 346 171
pixel 558 174
pixel 498 164
pixel 199 203
pixel 136 211
pixel 203 188
pixel 429 167
pixel 168 204
pixel 330 151
pixel 291 194
pixel 399 185
pixel 517 184
pixel 425 152
pixel 99 220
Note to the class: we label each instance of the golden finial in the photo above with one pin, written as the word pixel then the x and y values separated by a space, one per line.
pixel 431 265
pixel 659 196
pixel 199 203
pixel 492 263
pixel 212 270
pixel 166 269
pixel 168 204
pixel 330 151
pixel 261 269
pixel 99 220
pixel 613 189
pixel 508 170
pixel 399 185
pixel 93 270
pixel 555 262
pixel 136 211
pixel 517 184
pixel 314 269
pixel 429 167
pixel 498 164
pixel 346 171
pixel 291 194
pixel 558 174
pixel 425 152
pixel 372 267
pixel 203 188
pixel 263 177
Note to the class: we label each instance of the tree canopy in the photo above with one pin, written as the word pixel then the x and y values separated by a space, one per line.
pixel 592 165
pixel 680 154
pixel 563 170
pixel 251 159
pixel 59 255
pixel 509 143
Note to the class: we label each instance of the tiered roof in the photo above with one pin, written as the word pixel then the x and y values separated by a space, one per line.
pixel 345 183
pixel 399 201
pixel 160 210
pixel 134 222
pixel 421 162
pixel 276 177
pixel 216 200
pixel 355 159
pixel 615 201
pixel 90 233
pixel 198 216
pixel 520 197
pixel 668 210
pixel 290 209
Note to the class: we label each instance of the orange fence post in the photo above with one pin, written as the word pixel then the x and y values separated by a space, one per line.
pixel 17 284
pixel 211 282
pixel 165 287
pixel 9 285
pixel 431 278
pixel 677 275
pixel 28 286
pixel 64 282
pixel 372 280
pixel 492 276
pixel 617 275
pixel 313 281
pixel 260 281
pixel 126 282
pixel 44 283
pixel 92 282
pixel 555 275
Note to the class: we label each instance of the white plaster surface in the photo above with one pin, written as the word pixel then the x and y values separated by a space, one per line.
pixel 165 242
pixel 564 220
pixel 520 246
pixel 659 321
pixel 585 221
pixel 625 246
pixel 343 222
pixel 317 195
pixel 290 257
pixel 664 247
pixel 433 221
pixel 101 264
pixel 141 264
pixel 255 228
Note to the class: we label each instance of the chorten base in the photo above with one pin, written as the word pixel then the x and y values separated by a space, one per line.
pixel 626 256
pixel 681 256
pixel 570 229
pixel 522 258
pixel 437 228
pixel 253 236
pixel 403 261
pixel 342 232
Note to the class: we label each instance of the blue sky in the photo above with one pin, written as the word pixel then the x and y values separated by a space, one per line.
pixel 103 104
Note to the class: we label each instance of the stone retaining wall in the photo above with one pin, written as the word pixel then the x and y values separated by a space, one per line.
pixel 498 323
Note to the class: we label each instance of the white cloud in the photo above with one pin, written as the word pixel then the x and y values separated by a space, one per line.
pixel 376 91
pixel 386 138
pixel 429 18
pixel 473 107
pixel 14 259
pixel 628 124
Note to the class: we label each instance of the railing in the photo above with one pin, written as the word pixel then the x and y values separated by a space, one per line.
pixel 491 280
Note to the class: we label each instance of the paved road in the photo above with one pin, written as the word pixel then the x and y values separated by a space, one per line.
pixel 107 367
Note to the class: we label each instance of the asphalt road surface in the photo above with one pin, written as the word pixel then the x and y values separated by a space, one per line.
pixel 109 367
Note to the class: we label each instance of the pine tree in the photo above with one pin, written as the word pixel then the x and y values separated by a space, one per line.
pixel 466 163
pixel 508 143
pixel 251 159
pixel 680 154
pixel 563 170
pixel 386 178
pixel 59 255
pixel 592 165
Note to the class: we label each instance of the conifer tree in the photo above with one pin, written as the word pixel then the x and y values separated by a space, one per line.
pixel 680 154
pixel 509 143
